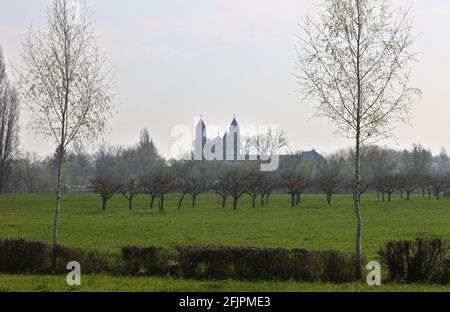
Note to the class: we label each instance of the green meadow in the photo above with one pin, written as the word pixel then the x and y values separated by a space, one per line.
pixel 312 225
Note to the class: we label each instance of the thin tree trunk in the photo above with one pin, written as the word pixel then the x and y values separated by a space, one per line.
pixel 181 200
pixel 194 197
pixel 358 211
pixel 152 201
pixel 253 201
pixel 292 200
pixel 329 195
pixel 104 200
pixel 161 203
pixel 357 154
pixel 130 202
pixel 235 203
pixel 262 200
pixel 224 201
pixel 58 197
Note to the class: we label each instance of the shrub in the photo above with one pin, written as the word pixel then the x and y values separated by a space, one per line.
pixel 147 260
pixel 22 256
pixel 419 260
pixel 91 261
pixel 251 263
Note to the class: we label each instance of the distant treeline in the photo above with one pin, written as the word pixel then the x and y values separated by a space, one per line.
pixel 140 169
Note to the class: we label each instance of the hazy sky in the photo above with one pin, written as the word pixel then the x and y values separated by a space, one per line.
pixel 178 59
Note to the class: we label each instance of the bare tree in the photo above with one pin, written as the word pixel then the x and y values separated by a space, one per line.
pixel 149 188
pixel 268 143
pixel 220 185
pixel 354 61
pixel 416 167
pixel 439 182
pixel 130 189
pixel 234 181
pixel 329 176
pixel 253 180
pixel 9 128
pixel 107 179
pixel 163 181
pixel 270 180
pixel 296 175
pixel 63 82
pixel 383 170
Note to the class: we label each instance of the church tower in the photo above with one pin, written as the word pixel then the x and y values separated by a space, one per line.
pixel 200 140
pixel 232 142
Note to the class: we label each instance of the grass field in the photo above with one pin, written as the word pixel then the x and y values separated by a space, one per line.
pixel 313 225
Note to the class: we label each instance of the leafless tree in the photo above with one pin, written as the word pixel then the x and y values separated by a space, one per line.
pixel 439 182
pixel 149 188
pixel 163 181
pixel 383 169
pixel 234 181
pixel 220 185
pixel 416 167
pixel 9 128
pixel 130 189
pixel 253 180
pixel 31 171
pixel 63 82
pixel 268 143
pixel 296 176
pixel 193 178
pixel 329 176
pixel 270 180
pixel 354 61
pixel 107 179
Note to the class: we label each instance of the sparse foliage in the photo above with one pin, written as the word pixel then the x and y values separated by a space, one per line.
pixel 63 82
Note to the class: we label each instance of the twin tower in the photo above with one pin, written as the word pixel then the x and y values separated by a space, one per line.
pixel 219 148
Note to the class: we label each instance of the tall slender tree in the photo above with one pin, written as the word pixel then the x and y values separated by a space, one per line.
pixel 9 128
pixel 354 61
pixel 64 84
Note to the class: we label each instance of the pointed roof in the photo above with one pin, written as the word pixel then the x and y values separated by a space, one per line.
pixel 200 122
pixel 234 122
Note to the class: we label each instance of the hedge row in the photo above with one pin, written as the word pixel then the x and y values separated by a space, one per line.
pixel 23 256
pixel 424 259
pixel 250 263
pixel 36 257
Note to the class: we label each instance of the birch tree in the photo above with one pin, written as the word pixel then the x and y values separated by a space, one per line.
pixel 63 82
pixel 354 61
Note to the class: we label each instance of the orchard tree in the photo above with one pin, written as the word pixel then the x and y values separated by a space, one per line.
pixel 9 125
pixel 354 61
pixel 163 181
pixel 130 189
pixel 64 84
pixel 220 185
pixel 329 176
pixel 107 179
pixel 253 181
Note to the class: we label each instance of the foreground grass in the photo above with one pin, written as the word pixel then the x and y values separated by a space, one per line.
pixel 104 283
pixel 312 225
